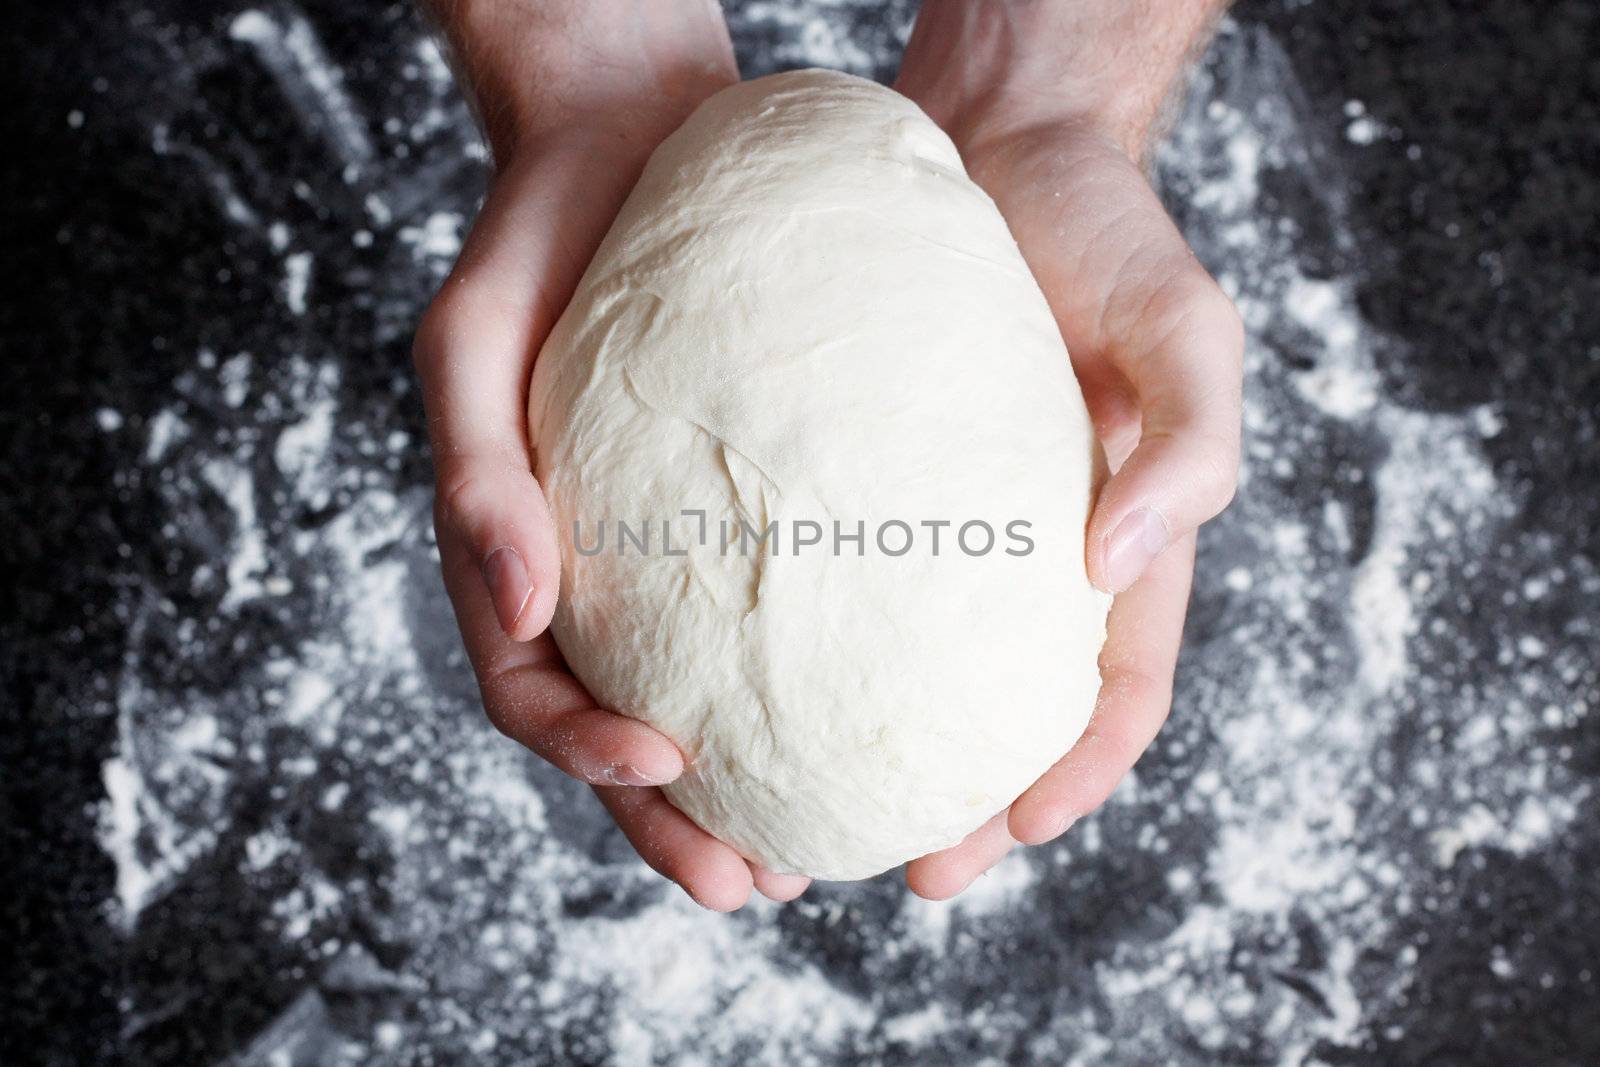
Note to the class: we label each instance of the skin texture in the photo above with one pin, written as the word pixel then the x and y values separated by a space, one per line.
pixel 574 95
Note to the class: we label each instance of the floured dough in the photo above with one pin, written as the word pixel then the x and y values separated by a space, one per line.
pixel 806 313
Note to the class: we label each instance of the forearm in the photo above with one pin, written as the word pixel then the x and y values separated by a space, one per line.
pixel 625 69
pixel 1112 63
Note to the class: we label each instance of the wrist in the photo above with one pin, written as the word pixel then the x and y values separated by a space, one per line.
pixel 612 71
pixel 1107 67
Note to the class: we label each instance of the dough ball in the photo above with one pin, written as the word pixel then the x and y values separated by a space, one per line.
pixel 807 314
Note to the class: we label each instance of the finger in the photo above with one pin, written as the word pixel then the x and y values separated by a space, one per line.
pixel 714 875
pixel 1157 346
pixel 531 697
pixel 1183 360
pixel 474 354
pixel 497 541
pixel 941 875
pixel 1136 667
pixel 780 887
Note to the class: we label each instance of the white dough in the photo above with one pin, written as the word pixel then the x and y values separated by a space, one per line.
pixel 807 311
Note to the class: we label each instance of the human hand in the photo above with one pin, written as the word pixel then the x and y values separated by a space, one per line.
pixel 1050 105
pixel 573 95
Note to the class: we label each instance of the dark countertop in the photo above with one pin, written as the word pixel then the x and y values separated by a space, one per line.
pixel 253 814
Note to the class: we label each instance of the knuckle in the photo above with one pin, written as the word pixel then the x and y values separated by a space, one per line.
pixel 1198 297
pixel 1187 311
pixel 1206 464
pixel 496 714
pixel 1217 460
pixel 1136 693
pixel 507 714
pixel 456 500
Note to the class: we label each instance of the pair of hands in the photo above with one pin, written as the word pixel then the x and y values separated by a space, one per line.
pixel 574 97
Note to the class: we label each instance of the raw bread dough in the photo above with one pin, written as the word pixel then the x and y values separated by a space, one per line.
pixel 807 311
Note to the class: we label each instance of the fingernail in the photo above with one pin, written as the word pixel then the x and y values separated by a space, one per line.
pixel 509 586
pixel 628 774
pixel 1136 541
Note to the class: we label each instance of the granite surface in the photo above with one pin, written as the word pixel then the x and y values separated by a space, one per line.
pixel 252 813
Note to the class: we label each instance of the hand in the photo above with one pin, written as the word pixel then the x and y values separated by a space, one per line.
pixel 1156 345
pixel 574 95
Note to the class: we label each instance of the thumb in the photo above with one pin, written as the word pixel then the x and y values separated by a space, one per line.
pixel 488 506
pixel 1182 357
pixel 1156 344
pixel 474 354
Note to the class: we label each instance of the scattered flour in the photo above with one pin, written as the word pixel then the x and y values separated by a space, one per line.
pixel 335 704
